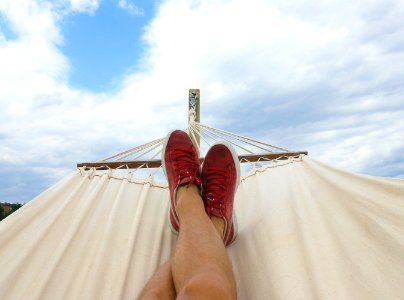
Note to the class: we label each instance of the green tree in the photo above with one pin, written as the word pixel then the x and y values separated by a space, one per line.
pixel 13 207
pixel 2 214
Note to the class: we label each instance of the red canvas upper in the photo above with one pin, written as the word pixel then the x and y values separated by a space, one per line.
pixel 220 176
pixel 182 167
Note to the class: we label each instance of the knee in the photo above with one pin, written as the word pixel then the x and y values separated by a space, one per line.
pixel 206 287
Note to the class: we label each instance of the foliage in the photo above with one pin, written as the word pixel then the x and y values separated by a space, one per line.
pixel 7 209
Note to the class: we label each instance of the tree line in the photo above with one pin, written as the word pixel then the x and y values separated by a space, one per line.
pixel 7 209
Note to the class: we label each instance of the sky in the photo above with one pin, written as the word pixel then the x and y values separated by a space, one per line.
pixel 84 79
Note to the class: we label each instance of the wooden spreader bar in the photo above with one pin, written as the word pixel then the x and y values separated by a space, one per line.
pixel 155 163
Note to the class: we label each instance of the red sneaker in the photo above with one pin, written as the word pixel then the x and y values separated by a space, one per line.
pixel 181 166
pixel 220 176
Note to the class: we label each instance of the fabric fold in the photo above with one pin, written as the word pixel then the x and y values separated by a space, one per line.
pixel 306 231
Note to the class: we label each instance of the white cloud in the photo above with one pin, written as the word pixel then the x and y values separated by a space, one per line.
pixel 31 64
pixel 238 42
pixel 31 18
pixel 130 7
pixel 2 39
pixel 84 6
pixel 315 76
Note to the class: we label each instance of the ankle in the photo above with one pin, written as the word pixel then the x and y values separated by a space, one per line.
pixel 186 195
pixel 187 190
pixel 219 225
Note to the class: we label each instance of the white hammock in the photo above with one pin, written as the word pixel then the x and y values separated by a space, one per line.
pixel 306 231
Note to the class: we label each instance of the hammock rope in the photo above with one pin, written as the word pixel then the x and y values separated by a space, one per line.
pixel 202 128
pixel 148 155
pixel 204 132
pixel 134 150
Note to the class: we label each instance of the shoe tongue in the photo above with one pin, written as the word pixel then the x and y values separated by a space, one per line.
pixel 184 180
pixel 216 212
pixel 191 179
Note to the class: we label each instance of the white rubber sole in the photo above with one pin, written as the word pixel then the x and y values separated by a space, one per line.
pixel 237 163
pixel 163 151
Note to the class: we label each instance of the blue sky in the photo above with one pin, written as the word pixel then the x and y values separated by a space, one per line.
pixel 84 79
pixel 104 46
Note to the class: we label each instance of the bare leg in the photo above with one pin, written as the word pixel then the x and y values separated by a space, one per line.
pixel 161 285
pixel 201 267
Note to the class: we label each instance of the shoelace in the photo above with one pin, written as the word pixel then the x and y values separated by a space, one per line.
pixel 214 192
pixel 185 165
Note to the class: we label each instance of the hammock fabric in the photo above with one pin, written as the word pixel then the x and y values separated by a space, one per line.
pixel 306 231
